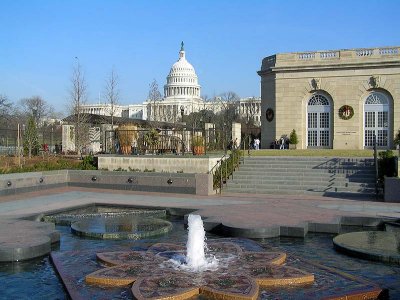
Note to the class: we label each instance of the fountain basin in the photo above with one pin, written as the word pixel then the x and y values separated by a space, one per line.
pixel 373 245
pixel 118 228
pixel 98 211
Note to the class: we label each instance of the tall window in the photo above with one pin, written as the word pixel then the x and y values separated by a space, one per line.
pixel 376 120
pixel 318 122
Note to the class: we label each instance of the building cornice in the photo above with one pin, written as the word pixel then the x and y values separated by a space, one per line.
pixel 331 60
pixel 331 67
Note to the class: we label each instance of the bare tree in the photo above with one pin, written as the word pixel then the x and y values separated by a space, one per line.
pixel 154 99
pixel 250 110
pixel 37 108
pixel 10 115
pixel 229 103
pixel 5 109
pixel 112 94
pixel 78 97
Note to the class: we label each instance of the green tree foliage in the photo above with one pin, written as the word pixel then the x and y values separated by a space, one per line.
pixel 31 140
pixel 397 138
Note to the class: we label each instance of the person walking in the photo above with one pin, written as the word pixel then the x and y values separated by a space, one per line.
pixel 257 144
pixel 282 147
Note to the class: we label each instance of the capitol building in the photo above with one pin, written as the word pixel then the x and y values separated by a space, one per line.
pixel 182 96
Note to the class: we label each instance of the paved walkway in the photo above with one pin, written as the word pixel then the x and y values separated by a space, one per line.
pixel 240 211
pixel 243 215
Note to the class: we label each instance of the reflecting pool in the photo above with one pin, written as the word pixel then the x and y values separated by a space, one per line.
pixel 36 279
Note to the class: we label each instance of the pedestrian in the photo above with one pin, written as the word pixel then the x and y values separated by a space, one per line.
pixel 282 147
pixel 276 146
pixel 257 144
pixel 230 145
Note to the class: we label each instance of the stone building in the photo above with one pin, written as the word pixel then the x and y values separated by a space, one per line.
pixel 182 95
pixel 339 99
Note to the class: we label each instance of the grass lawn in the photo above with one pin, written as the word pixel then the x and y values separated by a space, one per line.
pixel 315 152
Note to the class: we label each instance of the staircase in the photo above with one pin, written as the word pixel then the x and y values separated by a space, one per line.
pixel 333 177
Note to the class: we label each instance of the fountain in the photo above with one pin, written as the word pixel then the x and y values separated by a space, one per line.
pixel 226 271
pixel 195 256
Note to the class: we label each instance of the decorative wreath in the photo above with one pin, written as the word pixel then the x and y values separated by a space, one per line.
pixel 346 112
pixel 269 114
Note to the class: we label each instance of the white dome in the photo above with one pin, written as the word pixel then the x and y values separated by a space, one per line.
pixel 182 80
pixel 182 67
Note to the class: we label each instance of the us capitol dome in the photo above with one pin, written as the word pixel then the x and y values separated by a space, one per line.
pixel 181 93
pixel 182 81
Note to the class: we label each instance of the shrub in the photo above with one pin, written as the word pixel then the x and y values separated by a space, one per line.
pixel 88 163
pixel 397 138
pixel 198 141
pixel 386 164
pixel 293 138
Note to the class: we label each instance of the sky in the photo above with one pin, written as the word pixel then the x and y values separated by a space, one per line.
pixel 225 41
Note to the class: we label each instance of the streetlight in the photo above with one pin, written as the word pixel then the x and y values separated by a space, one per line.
pixel 182 111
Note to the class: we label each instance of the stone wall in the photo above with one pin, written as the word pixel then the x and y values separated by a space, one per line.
pixel 199 184
pixel 392 189
pixel 176 164
pixel 33 181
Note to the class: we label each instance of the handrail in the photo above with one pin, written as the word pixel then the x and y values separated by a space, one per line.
pixel 226 167
pixel 218 162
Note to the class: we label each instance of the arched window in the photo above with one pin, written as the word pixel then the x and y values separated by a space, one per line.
pixel 376 120
pixel 318 122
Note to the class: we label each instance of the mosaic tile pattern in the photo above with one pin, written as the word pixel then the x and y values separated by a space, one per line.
pixel 330 283
pixel 238 276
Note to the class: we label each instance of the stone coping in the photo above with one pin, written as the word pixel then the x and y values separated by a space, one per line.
pixel 23 239
pixel 373 245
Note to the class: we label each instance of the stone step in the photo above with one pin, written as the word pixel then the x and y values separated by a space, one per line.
pixel 300 186
pixel 304 175
pixel 301 182
pixel 321 176
pixel 310 158
pixel 282 173
pixel 368 195
pixel 305 165
pixel 310 162
pixel 260 169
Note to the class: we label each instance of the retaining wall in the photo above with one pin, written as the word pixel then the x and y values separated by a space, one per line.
pixel 392 189
pixel 199 165
pixel 199 184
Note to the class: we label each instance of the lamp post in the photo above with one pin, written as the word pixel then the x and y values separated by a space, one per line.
pixel 51 141
pixel 182 111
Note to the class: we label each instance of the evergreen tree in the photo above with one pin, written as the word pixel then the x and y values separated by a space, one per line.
pixel 31 140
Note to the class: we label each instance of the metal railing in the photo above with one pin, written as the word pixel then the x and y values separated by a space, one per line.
pixel 227 165
pixel 9 140
pixel 162 141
